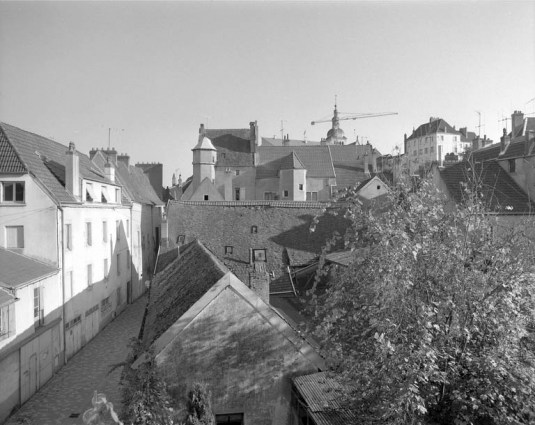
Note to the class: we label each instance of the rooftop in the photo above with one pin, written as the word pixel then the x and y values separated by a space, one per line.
pixel 17 270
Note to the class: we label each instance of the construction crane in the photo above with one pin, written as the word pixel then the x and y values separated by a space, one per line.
pixel 354 117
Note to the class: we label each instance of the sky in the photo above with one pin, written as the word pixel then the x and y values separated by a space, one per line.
pixel 153 71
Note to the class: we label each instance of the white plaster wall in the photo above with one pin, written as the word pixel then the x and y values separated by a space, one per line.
pixel 37 215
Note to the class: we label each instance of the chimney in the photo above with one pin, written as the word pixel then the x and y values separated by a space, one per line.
pixel 109 172
pixel 112 154
pixel 92 153
pixel 475 144
pixel 463 131
pixel 72 171
pixel 125 159
pixel 201 129
pixel 517 119
pixel 504 142
pixel 286 141
pixel 259 281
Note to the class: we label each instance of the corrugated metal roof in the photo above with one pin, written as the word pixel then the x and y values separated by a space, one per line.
pixel 18 270
pixel 323 393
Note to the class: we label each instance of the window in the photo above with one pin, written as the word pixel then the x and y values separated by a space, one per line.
pixel 432 149
pixel 69 284
pixel 270 196
pixel 89 237
pixel 229 250
pixel 231 419
pixel 441 138
pixel 68 236
pixel 118 229
pixel 127 228
pixel 118 264
pixel 181 239
pixel 454 138
pixel 38 314
pixel 300 187
pixel 378 187
pixel 117 195
pixel 237 172
pixel 206 197
pixel 12 192
pixel 14 237
pixel 103 195
pixel 312 196
pixel 106 268
pixel 105 304
pixel 89 274
pixel 512 165
pixel 5 316
pixel 89 195
pixel 254 229
pixel 259 255
pixel 237 194
pixel 285 194
pixel 105 231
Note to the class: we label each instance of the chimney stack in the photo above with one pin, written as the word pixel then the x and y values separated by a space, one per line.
pixel 286 140
pixel 72 171
pixel 259 281
pixel 517 118
pixel 109 172
pixel 201 129
pixel 125 159
pixel 504 142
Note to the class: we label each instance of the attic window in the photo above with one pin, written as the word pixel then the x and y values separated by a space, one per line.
pixel 229 250
pixel 206 197
pixel 300 187
pixel 237 172
pixel 259 256
pixel 254 229
pixel 378 187
pixel 223 155
pixel 180 239
pixel 89 195
pixel 512 165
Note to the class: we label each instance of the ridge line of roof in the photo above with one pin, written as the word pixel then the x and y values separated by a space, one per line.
pixel 13 146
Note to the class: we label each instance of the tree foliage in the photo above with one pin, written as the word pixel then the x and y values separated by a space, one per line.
pixel 200 405
pixel 430 323
pixel 144 395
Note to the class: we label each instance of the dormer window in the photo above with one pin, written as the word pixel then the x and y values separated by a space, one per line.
pixel 512 165
pixel 254 229
pixel 259 256
pixel 180 240
pixel 89 194
pixel 229 250
pixel 237 172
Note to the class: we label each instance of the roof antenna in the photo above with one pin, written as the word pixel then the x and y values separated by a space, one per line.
pixel 479 126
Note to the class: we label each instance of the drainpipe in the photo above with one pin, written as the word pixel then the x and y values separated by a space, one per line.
pixel 62 254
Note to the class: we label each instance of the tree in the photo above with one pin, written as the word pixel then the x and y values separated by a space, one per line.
pixel 200 405
pixel 144 394
pixel 431 322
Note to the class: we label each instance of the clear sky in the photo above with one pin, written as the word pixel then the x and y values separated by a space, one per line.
pixel 153 71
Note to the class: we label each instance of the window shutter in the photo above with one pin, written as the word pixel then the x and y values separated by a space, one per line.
pixel 11 315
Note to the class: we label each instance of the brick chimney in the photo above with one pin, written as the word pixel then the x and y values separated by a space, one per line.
pixel 92 153
pixel 72 171
pixel 124 158
pixel 517 118
pixel 259 281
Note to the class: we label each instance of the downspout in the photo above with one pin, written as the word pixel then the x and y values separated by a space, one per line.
pixel 62 213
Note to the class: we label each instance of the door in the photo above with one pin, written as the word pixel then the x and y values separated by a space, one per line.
pixel 33 375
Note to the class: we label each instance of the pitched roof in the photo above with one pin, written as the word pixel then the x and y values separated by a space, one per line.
pixel 280 227
pixel 18 270
pixel 495 185
pixel 233 146
pixel 322 393
pixel 133 179
pixel 292 162
pixel 6 297
pixel 436 126
pixel 316 159
pixel 45 159
pixel 267 141
pixel 11 162
pixel 514 149
pixel 179 286
pixel 522 129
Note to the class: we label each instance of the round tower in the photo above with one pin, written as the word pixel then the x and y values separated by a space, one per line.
pixel 204 159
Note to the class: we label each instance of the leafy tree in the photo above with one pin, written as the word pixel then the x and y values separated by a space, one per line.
pixel 144 395
pixel 430 323
pixel 200 405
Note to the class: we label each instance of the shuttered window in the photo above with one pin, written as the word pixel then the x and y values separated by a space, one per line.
pixel 15 236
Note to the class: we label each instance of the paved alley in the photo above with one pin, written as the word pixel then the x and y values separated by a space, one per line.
pixel 69 392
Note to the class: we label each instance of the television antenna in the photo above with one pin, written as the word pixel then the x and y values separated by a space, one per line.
pixel 206 117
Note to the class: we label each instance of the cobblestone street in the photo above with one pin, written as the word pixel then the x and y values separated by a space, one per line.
pixel 69 392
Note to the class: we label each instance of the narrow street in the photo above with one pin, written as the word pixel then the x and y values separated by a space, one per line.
pixel 69 392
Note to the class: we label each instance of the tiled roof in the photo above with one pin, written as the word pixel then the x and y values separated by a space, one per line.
pixel 45 158
pixel 498 189
pixel 133 180
pixel 322 393
pixel 279 227
pixel 9 160
pixel 233 147
pixel 486 153
pixel 292 162
pixel 179 286
pixel 363 183
pixel 18 270
pixel 433 127
pixel 316 159
pixel 516 148
pixel 348 175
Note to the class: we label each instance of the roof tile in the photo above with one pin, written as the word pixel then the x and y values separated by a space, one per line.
pixel 18 270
